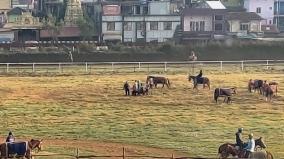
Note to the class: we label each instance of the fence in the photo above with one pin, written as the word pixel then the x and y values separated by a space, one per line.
pixel 90 67
pixel 125 156
pixel 122 156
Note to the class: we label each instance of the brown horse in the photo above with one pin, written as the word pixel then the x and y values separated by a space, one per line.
pixel 22 150
pixel 255 85
pixel 270 90
pixel 203 80
pixel 158 80
pixel 227 149
pixel 224 92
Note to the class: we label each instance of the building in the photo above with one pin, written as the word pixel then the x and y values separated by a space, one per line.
pixel 24 4
pixel 204 22
pixel 23 24
pixel 264 8
pixel 73 12
pixel 243 24
pixel 279 14
pixel 139 22
pixel 5 6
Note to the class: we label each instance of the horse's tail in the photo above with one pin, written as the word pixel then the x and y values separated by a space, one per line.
pixel 168 82
pixel 216 94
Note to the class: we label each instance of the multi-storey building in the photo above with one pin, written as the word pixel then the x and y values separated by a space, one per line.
pixel 144 21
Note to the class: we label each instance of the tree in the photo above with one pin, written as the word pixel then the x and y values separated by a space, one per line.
pixel 87 27
pixel 53 27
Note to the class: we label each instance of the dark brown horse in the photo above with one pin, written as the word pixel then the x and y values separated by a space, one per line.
pixel 203 80
pixel 255 85
pixel 227 149
pixel 224 92
pixel 25 151
pixel 158 80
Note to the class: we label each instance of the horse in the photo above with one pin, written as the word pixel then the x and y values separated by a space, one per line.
pixel 255 85
pixel 224 92
pixel 270 91
pixel 203 80
pixel 21 149
pixel 227 149
pixel 159 80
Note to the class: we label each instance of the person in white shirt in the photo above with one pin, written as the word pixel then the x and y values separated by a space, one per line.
pixel 250 146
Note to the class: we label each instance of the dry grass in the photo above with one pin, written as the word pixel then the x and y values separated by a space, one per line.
pixel 93 107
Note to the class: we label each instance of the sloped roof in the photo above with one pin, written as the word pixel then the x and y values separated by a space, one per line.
pixel 243 16
pixel 215 5
pixel 16 11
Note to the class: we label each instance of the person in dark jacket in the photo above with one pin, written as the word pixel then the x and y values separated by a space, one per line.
pixel 239 141
pixel 199 77
pixel 126 88
pixel 10 137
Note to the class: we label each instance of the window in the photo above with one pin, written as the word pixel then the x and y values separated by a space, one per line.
pixel 110 26
pixel 218 17
pixel 153 25
pixel 137 10
pixel 145 10
pixel 202 26
pixel 218 27
pixel 140 25
pixel 127 26
pixel 244 27
pixel 167 25
pixel 258 10
pixel 270 21
pixel 192 26
pixel 197 26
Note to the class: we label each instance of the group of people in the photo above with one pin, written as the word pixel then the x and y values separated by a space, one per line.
pixel 138 88
pixel 249 146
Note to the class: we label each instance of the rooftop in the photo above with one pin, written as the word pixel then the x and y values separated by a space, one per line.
pixel 243 16
pixel 215 5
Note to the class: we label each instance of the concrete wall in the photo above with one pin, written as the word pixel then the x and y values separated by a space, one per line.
pixel 206 18
pixel 267 9
pixel 159 8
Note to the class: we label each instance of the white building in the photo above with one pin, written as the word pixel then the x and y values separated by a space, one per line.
pixel 139 22
pixel 264 8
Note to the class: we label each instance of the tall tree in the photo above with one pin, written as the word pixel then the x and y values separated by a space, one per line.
pixel 53 27
pixel 87 27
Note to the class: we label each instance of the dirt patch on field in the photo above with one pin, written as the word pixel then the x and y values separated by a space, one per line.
pixel 105 148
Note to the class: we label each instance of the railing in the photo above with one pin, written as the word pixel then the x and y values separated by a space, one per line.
pixel 188 66
pixel 124 155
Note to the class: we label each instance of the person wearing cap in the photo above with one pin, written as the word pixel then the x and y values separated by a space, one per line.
pixel 250 146
pixel 239 141
pixel 10 137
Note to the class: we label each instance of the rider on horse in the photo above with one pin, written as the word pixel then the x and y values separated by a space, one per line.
pixel 250 146
pixel 239 141
pixel 10 137
pixel 199 77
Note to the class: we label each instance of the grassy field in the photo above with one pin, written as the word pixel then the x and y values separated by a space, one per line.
pixel 93 108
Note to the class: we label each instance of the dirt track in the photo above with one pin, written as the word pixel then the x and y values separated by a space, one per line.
pixel 105 148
